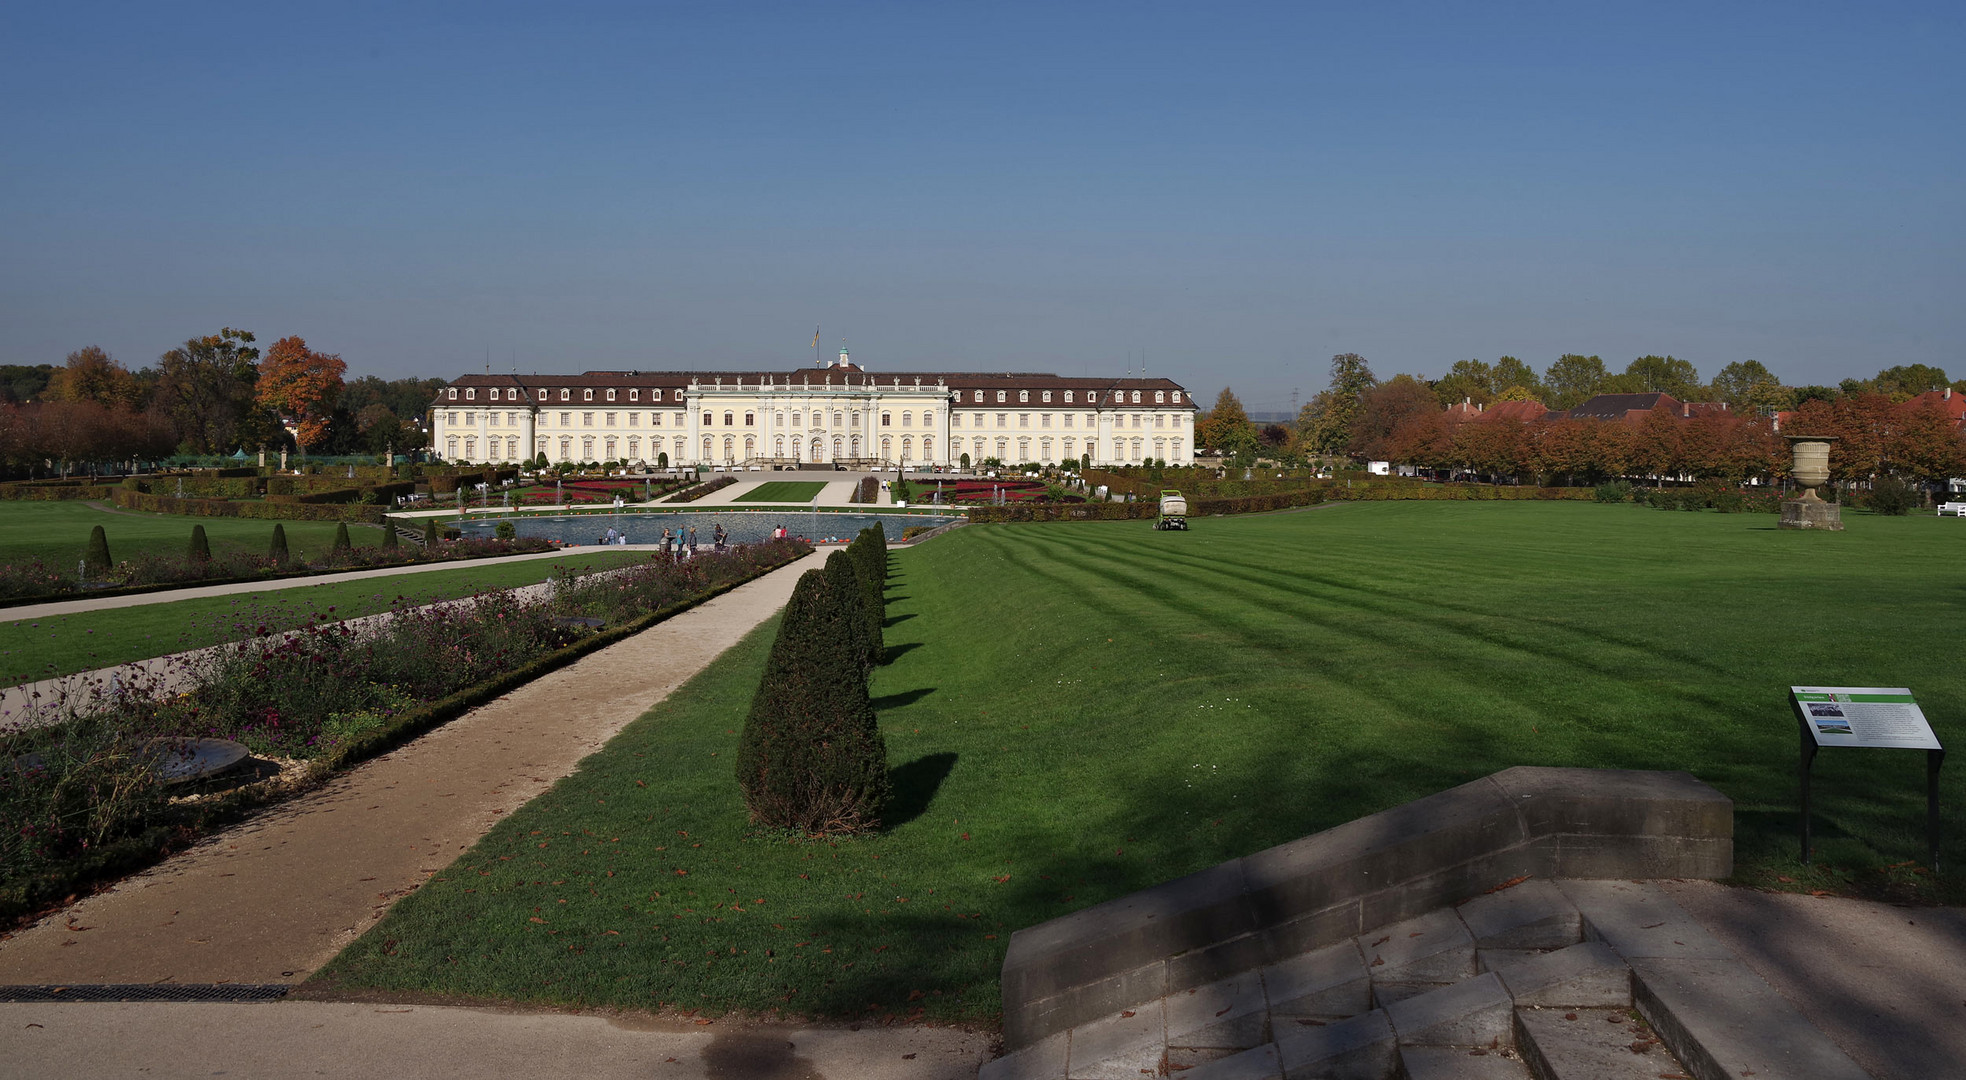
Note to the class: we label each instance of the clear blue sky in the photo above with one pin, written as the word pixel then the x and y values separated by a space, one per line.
pixel 1231 192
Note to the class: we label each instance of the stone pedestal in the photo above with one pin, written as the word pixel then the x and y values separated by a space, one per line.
pixel 1810 512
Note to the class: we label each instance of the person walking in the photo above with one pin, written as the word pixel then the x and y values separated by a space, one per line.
pixel 717 538
pixel 690 551
pixel 665 543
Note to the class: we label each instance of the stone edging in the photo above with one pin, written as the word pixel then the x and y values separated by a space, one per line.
pixel 1331 886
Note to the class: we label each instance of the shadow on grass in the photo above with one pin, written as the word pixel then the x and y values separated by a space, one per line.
pixel 895 652
pixel 915 785
pixel 906 697
pixel 893 619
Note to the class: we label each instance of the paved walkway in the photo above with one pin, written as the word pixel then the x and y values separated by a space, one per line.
pixel 274 898
pixel 394 1042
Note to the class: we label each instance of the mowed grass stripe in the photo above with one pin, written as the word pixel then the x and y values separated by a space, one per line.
pixel 1075 712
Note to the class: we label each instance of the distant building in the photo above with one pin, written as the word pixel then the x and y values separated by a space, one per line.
pixel 838 414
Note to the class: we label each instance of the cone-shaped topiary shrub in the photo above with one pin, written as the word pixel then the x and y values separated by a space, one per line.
pixel 389 539
pixel 277 551
pixel 844 575
pixel 201 548
pixel 430 534
pixel 869 552
pixel 811 756
pixel 342 545
pixel 95 559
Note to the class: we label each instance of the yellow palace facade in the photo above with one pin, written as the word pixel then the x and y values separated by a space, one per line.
pixel 839 414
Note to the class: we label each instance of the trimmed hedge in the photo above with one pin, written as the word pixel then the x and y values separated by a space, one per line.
pixel 57 491
pixel 691 494
pixel 259 511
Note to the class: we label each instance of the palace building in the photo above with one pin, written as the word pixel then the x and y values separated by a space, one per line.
pixel 837 414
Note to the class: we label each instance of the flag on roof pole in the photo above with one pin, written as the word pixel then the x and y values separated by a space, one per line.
pixel 815 337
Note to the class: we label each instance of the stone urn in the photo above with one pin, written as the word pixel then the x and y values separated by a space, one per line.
pixel 1811 470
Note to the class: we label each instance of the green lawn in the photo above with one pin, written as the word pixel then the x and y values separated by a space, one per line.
pixel 1077 711
pixel 42 648
pixel 794 491
pixel 56 533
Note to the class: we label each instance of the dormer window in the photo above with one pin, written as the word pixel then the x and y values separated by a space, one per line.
pixel 1177 397
pixel 542 395
pixel 566 394
pixel 1136 397
pixel 1119 397
pixel 610 393
pixel 470 394
pixel 1023 395
pixel 1047 396
pixel 587 394
pixel 634 395
pixel 1160 396
pixel 655 395
pixel 979 395
pixel 453 393
pixel 1002 396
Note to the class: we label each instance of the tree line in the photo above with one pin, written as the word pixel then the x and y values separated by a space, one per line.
pixel 1880 430
pixel 216 394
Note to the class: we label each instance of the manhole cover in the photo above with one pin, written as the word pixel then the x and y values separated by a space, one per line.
pixel 181 759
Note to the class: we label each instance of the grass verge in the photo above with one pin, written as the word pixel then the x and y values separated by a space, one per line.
pixel 56 533
pixel 52 646
pixel 784 491
pixel 1075 712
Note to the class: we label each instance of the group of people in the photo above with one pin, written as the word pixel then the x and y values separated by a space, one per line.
pixel 681 543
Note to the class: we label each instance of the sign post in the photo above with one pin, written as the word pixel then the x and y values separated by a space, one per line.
pixel 1867 716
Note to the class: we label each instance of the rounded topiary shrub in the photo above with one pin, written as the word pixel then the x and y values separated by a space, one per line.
pixel 811 757
pixel 505 530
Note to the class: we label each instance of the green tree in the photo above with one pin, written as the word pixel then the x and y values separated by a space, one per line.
pixel 811 756
pixel 1467 380
pixel 1510 374
pixel 1909 380
pixel 205 388
pixel 1574 379
pixel 1734 383
pixel 277 550
pixel 201 548
pixel 1666 375
pixel 1338 406
pixel 95 558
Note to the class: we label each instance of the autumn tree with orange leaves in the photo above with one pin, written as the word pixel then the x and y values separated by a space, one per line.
pixel 301 386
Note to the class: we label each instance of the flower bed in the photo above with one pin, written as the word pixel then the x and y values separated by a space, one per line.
pixel 81 799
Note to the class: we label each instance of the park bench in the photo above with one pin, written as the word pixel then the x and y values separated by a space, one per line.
pixel 1956 509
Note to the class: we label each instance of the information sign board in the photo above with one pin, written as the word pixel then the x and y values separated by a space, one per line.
pixel 1863 716
pixel 1867 716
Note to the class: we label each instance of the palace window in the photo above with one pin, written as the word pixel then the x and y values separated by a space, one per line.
pixel 887 419
pixel 453 398
pixel 907 419
pixel 610 393
pixel 470 419
pixel 839 419
pixel 1136 420
pixel 566 419
pixel 587 394
pixel 1089 422
pixel 1068 419
pixel 451 419
pixel 1136 397
pixel 1023 395
pixel 1047 395
pixel 566 394
pixel 1068 397
pixel 707 421
pixel 681 418
pixel 655 419
pixel 778 419
pixel 1003 420
pixel 587 448
pixel 566 448
pixel 1177 397
pixel 494 394
pixel 1160 396
pixel 1002 396
pixel 610 446
pixel 542 396
pixel 491 418
pixel 655 395
pixel 471 395
pixel 586 419
pixel 511 419
pixel 611 422
pixel 1159 420
pixel 1023 419
pixel 634 419
pixel 750 419
pixel 795 419
pixel 728 418
pixel 634 395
